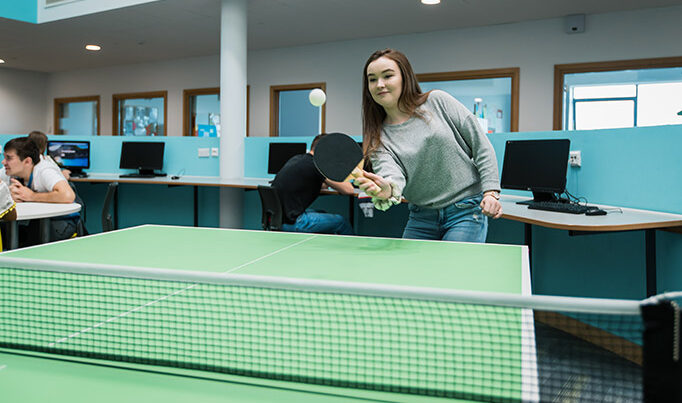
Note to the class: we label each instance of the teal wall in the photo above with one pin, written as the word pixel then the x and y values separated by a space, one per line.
pixel 22 10
pixel 638 168
pixel 158 204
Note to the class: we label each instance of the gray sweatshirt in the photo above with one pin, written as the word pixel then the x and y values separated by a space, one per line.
pixel 439 158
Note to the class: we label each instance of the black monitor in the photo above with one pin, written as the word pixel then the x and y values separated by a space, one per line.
pixel 145 156
pixel 536 165
pixel 279 154
pixel 71 155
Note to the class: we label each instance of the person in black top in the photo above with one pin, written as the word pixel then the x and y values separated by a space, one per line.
pixel 298 184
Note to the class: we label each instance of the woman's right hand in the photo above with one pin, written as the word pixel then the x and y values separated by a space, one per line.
pixel 374 185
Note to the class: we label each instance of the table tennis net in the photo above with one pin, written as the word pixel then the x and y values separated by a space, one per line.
pixel 348 337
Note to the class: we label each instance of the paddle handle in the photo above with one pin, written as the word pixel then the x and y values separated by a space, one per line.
pixel 356 173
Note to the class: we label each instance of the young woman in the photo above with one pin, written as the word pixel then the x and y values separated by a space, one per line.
pixel 428 148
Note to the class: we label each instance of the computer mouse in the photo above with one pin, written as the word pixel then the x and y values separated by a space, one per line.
pixel 596 211
pixel 175 177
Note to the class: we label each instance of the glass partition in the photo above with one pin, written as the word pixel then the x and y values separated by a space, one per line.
pixel 140 114
pixel 491 95
pixel 292 114
pixel 77 116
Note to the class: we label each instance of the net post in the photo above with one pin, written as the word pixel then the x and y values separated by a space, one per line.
pixel 662 369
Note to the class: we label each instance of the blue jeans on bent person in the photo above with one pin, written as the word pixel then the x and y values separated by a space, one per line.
pixel 462 221
pixel 313 221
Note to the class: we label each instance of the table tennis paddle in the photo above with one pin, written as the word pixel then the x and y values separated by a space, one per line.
pixel 338 157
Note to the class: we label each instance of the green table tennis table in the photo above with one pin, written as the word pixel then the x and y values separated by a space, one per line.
pixel 247 350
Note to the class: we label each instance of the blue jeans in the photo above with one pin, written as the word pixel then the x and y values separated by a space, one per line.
pixel 312 221
pixel 462 221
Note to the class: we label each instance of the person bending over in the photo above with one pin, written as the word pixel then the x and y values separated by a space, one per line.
pixel 37 182
pixel 298 184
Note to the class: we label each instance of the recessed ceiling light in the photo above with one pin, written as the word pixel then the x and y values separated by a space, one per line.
pixel 430 2
pixel 93 47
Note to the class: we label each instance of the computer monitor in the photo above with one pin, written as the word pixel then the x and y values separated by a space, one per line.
pixel 279 154
pixel 145 156
pixel 536 165
pixel 71 155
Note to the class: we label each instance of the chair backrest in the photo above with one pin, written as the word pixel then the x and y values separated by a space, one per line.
pixel 81 230
pixel 272 208
pixel 107 216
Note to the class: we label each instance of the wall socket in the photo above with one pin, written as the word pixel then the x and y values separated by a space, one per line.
pixel 214 151
pixel 204 152
pixel 574 159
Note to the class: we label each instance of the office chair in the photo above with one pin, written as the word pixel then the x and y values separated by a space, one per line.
pixel 81 230
pixel 272 208
pixel 107 216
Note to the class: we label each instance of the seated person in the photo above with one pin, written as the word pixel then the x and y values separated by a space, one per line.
pixel 37 182
pixel 8 211
pixel 40 140
pixel 298 184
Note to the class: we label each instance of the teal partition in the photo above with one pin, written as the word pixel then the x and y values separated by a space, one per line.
pixel 638 168
pixel 22 10
pixel 141 204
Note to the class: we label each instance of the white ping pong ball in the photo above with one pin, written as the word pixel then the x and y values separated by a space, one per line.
pixel 317 97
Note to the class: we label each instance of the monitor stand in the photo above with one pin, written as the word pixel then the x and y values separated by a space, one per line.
pixel 142 173
pixel 77 173
pixel 540 196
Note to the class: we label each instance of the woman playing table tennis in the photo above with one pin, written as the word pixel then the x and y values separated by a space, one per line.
pixel 428 148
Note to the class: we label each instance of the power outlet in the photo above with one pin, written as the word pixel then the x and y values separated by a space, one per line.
pixel 204 152
pixel 574 159
pixel 214 151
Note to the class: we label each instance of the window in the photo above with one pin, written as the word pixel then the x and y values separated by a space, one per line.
pixel 292 114
pixel 77 115
pixel 627 93
pixel 492 95
pixel 201 112
pixel 140 114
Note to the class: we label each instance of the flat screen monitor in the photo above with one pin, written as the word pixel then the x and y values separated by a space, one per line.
pixel 536 165
pixel 145 156
pixel 280 153
pixel 71 155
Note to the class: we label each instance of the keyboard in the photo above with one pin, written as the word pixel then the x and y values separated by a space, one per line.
pixel 570 208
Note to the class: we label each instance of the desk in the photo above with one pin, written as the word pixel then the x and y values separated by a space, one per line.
pixel 42 212
pixel 287 324
pixel 579 224
pixel 194 181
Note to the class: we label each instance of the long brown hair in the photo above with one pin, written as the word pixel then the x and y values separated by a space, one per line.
pixel 373 114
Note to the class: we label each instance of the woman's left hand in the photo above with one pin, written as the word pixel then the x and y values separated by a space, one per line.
pixel 491 206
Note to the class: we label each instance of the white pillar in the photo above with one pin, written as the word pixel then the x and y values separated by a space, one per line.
pixel 232 107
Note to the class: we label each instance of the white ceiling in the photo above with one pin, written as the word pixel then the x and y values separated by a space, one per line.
pixel 170 29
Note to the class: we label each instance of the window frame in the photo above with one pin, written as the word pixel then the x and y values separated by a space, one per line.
pixel 274 104
pixel 116 98
pixel 60 101
pixel 560 70
pixel 186 94
pixel 505 72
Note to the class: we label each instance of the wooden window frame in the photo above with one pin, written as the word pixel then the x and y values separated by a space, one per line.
pixel 560 70
pixel 186 94
pixel 116 98
pixel 274 104
pixel 507 72
pixel 60 101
